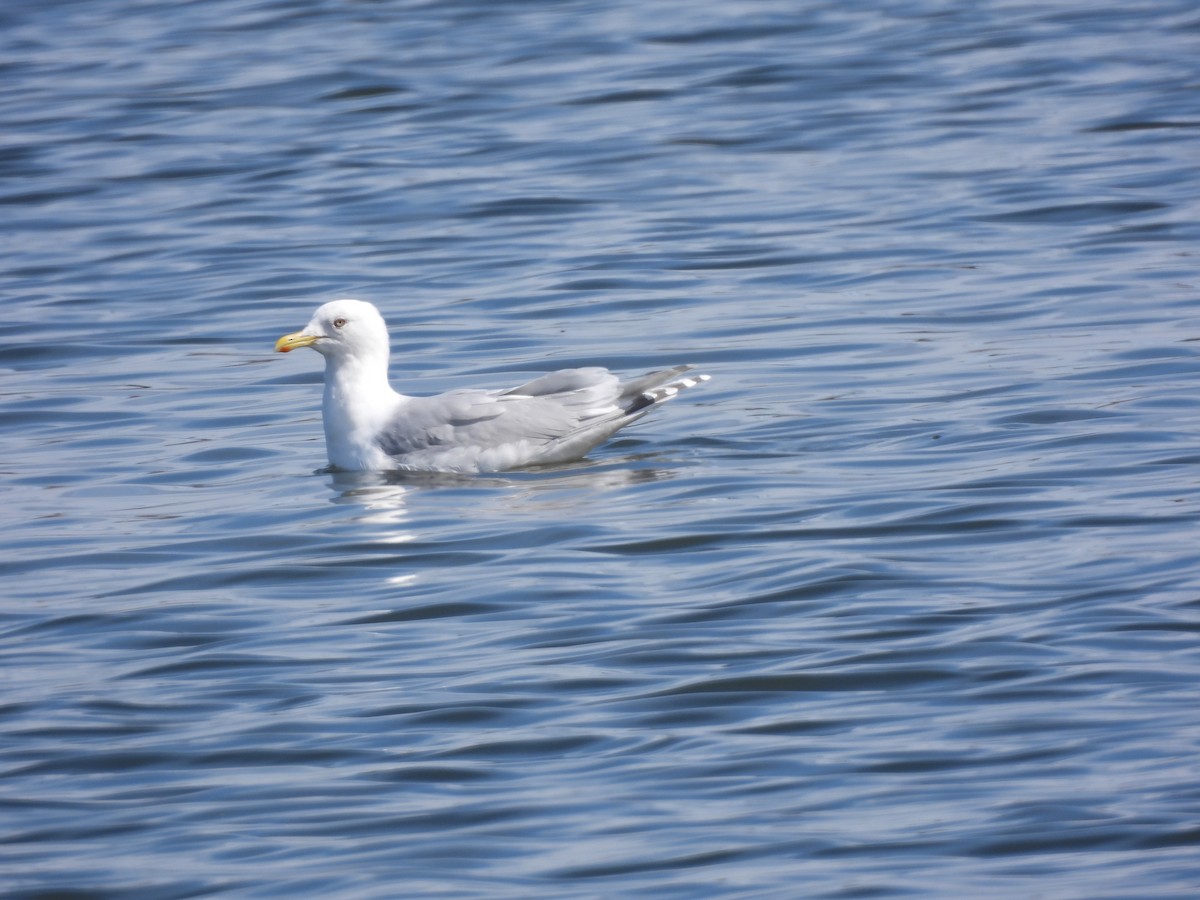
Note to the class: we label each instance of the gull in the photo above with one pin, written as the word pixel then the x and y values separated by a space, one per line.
pixel 556 418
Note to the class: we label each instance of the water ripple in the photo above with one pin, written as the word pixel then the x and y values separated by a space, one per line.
pixel 903 602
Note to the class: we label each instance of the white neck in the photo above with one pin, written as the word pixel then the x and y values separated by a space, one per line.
pixel 358 401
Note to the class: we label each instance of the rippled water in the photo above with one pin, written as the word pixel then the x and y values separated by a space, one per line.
pixel 904 602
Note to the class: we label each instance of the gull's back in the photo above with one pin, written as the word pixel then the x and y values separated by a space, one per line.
pixel 558 417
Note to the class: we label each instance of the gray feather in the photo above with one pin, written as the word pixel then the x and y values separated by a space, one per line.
pixel 556 417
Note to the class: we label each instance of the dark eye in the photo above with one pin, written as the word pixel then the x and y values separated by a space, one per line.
pixel 338 323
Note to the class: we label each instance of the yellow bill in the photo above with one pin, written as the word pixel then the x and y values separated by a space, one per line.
pixel 296 339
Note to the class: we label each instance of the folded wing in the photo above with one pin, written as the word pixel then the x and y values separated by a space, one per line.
pixel 554 418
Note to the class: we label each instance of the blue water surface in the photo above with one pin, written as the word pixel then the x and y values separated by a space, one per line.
pixel 905 602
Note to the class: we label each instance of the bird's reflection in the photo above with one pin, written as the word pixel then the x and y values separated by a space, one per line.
pixel 384 502
pixel 384 496
pixel 424 516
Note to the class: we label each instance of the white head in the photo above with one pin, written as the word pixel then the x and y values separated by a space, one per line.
pixel 342 329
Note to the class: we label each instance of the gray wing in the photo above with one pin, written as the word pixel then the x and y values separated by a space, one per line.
pixel 471 419
pixel 556 417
